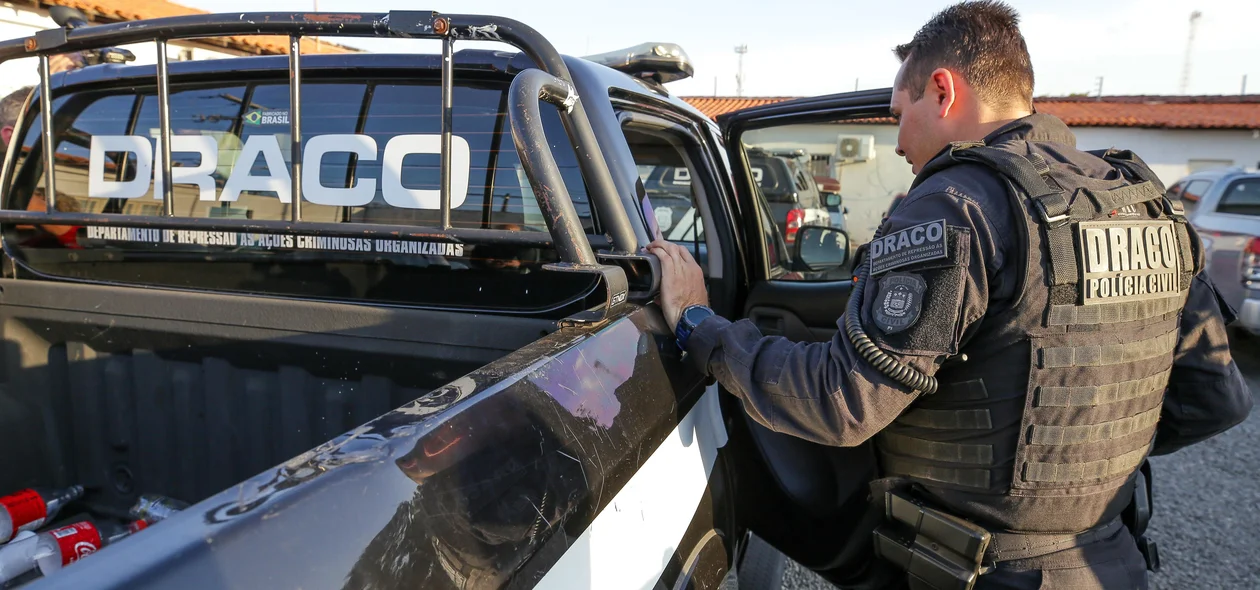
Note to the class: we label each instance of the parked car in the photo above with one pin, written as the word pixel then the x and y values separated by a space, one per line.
pixel 1224 206
pixel 829 188
pixel 790 191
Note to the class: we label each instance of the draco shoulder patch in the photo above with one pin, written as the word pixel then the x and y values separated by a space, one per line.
pixel 918 243
pixel 898 302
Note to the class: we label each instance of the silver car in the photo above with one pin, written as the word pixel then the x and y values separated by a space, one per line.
pixel 1224 205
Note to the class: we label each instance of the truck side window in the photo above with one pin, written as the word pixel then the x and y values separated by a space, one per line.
pixel 672 186
pixel 857 157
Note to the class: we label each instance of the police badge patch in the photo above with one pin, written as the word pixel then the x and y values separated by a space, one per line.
pixel 898 302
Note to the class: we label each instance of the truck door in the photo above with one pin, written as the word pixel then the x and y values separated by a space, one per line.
pixel 816 510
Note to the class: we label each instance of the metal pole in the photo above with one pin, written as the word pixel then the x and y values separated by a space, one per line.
pixel 577 126
pixel 295 123
pixel 46 123
pixel 448 84
pixel 525 119
pixel 164 125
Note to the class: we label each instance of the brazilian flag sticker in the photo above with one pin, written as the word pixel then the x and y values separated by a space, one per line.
pixel 262 117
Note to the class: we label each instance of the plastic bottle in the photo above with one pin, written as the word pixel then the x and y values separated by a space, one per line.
pixel 29 509
pixel 68 544
pixel 154 508
pixel 18 557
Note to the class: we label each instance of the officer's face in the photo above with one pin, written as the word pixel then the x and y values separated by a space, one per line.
pixel 922 130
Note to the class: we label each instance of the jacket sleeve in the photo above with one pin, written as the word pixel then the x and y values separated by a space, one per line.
pixel 825 392
pixel 1206 392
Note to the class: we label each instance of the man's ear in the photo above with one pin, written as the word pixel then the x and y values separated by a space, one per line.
pixel 6 133
pixel 940 86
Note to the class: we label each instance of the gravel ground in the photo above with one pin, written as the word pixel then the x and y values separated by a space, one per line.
pixel 1206 495
pixel 1207 534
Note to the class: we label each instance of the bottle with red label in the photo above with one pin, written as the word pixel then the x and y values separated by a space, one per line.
pixel 68 544
pixel 29 509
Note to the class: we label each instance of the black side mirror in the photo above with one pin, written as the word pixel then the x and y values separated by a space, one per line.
pixel 67 17
pixel 833 200
pixel 820 248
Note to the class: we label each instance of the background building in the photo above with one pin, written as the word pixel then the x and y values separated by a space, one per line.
pixel 22 19
pixel 1176 135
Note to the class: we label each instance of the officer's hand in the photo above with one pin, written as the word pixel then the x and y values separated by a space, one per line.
pixel 682 280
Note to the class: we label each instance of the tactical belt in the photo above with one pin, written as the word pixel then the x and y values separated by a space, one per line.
pixel 939 551
pixel 1011 546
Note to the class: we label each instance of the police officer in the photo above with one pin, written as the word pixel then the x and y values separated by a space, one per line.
pixel 1029 324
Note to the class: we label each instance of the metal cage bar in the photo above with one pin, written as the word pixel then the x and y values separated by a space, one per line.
pixel 566 231
pixel 448 92
pixel 529 87
pixel 164 125
pixel 295 125
pixel 46 137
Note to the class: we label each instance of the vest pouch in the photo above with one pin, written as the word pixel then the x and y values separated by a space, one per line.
pixel 937 550
pixel 1090 412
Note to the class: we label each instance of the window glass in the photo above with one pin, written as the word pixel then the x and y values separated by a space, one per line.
pixel 1194 190
pixel 106 116
pixel 498 194
pixel 857 164
pixel 1241 197
pixel 371 155
pixel 671 187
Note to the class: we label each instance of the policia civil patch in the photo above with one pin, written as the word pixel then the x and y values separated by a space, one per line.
pixel 898 302
pixel 1128 261
pixel 919 243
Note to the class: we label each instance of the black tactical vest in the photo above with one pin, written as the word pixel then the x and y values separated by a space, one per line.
pixel 1044 425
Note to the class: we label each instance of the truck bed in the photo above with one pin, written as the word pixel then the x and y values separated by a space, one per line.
pixel 132 390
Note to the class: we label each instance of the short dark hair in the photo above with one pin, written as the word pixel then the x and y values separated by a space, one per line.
pixel 978 39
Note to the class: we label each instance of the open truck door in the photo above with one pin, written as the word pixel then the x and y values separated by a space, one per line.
pixel 816 508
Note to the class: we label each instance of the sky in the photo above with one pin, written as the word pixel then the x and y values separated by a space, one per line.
pixel 815 47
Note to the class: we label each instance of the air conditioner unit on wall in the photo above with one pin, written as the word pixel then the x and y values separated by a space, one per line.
pixel 855 148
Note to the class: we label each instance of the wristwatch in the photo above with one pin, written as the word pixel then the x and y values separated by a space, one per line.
pixel 690 318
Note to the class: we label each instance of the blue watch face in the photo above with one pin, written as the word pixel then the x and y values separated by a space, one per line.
pixel 694 315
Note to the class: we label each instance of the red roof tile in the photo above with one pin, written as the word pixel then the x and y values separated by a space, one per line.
pixel 720 105
pixel 1160 112
pixel 129 10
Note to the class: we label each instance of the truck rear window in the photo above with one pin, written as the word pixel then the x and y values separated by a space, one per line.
pixel 372 147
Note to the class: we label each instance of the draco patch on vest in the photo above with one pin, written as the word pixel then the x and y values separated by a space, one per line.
pixel 918 243
pixel 1128 261
pixel 898 302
